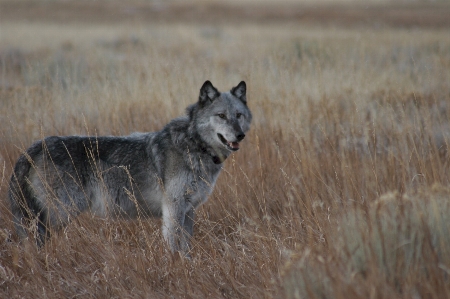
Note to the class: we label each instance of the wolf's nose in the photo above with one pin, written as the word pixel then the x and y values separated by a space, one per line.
pixel 240 137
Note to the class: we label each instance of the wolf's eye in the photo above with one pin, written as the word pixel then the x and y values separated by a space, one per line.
pixel 221 115
pixel 238 115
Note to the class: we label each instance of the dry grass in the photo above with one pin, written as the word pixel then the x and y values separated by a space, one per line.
pixel 339 191
pixel 398 245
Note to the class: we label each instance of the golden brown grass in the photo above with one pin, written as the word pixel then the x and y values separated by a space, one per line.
pixel 339 191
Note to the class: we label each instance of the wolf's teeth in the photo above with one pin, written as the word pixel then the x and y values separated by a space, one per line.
pixel 234 144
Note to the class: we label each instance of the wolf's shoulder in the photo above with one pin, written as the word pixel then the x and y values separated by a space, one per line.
pixel 177 129
pixel 179 124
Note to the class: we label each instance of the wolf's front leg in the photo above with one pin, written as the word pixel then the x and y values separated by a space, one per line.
pixel 188 230
pixel 174 220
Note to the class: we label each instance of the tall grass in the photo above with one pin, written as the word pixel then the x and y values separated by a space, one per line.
pixel 340 189
pixel 397 247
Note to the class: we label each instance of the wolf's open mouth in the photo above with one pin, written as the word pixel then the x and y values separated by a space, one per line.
pixel 233 146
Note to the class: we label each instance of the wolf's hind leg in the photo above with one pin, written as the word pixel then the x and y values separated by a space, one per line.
pixel 42 231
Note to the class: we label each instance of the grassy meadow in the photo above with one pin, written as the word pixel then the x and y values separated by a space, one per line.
pixel 340 190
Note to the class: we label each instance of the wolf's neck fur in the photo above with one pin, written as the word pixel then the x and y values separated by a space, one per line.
pixel 195 140
pixel 217 156
pixel 183 131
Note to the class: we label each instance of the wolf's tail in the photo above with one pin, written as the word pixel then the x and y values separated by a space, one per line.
pixel 25 207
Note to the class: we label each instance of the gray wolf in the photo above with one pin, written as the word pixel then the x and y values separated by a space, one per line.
pixel 167 174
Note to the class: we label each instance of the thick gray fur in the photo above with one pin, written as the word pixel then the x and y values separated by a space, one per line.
pixel 165 174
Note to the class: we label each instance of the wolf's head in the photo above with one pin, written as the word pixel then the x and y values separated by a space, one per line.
pixel 221 119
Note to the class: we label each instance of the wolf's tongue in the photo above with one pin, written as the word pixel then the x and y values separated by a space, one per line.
pixel 234 144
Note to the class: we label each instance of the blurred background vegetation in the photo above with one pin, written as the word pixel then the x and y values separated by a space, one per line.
pixel 341 189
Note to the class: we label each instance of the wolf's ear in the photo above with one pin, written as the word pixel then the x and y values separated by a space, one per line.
pixel 240 92
pixel 207 93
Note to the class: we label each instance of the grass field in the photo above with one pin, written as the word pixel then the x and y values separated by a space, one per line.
pixel 340 190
